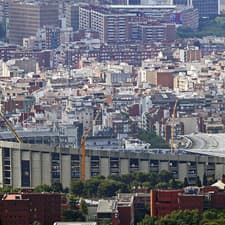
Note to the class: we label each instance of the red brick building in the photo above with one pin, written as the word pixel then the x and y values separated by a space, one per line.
pixel 161 78
pixel 164 202
pixel 25 208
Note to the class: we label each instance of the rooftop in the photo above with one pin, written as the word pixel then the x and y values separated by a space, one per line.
pixel 106 206
pixel 209 144
pixel 142 6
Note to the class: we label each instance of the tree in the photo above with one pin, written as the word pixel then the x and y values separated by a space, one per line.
pixel 84 207
pixel 16 190
pixel 220 20
pixel 148 185
pixel 198 182
pixel 43 188
pixel 141 176
pixel 66 190
pixel 210 215
pixel 127 178
pixel 166 221
pixel 148 220
pixel 77 187
pixel 73 201
pixel 162 185
pixel 190 217
pixel 153 178
pixel 186 182
pixel 91 187
pixel 205 182
pixel 72 215
pixel 214 222
pixel 108 188
pixel 173 184
pixel 6 189
pixel 152 138
pixel 164 176
pixel 210 180
pixel 57 187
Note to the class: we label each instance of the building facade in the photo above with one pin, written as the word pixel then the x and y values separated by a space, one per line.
pixel 26 18
pixel 28 165
pixel 207 8
pixel 72 16
pixel 25 208
pixel 116 25
pixel 164 202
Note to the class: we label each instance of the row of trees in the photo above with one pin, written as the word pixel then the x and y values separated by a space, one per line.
pixel 102 187
pixel 188 217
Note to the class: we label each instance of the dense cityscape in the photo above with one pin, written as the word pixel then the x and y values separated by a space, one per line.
pixel 112 112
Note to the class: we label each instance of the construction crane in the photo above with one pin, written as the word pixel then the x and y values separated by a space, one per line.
pixel 11 128
pixel 172 128
pixel 83 139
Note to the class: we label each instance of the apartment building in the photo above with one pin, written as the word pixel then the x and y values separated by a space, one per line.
pixel 114 25
pixel 85 18
pixel 151 31
pixel 111 25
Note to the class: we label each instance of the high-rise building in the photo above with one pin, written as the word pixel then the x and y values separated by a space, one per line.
pixel 26 18
pixel 111 26
pixel 134 2
pixel 206 8
pixel 72 16
pixel 84 18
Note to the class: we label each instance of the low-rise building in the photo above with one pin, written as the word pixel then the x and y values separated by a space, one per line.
pixel 26 208
pixel 117 212
pixel 164 202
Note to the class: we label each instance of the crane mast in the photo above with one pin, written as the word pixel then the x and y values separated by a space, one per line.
pixel 172 128
pixel 11 128
pixel 83 139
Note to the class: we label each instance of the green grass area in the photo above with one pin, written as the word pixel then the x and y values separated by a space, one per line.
pixel 208 27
